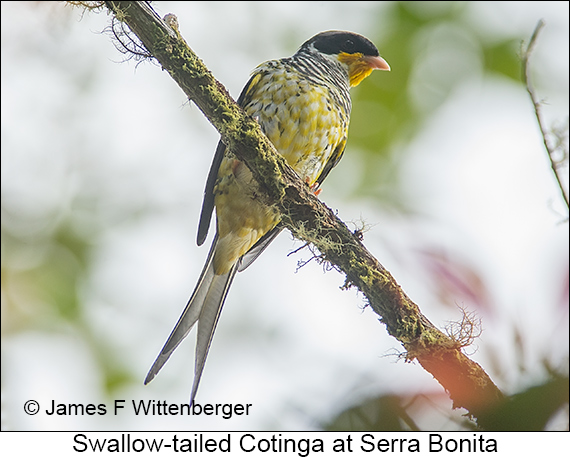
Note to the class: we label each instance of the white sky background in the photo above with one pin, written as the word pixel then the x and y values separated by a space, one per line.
pixel 76 122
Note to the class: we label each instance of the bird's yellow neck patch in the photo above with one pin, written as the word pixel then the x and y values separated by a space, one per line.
pixel 358 68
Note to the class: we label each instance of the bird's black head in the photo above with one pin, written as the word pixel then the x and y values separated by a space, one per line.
pixel 356 53
pixel 335 42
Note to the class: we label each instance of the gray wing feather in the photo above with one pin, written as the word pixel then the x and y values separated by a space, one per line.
pixel 257 249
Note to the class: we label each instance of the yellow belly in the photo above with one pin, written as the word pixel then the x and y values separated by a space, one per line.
pixel 303 124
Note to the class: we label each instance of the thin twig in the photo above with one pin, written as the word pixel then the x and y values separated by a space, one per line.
pixel 550 149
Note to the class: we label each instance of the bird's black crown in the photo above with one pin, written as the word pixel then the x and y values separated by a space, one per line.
pixel 334 42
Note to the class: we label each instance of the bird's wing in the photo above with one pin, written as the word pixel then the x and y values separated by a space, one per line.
pixel 332 162
pixel 258 248
pixel 208 202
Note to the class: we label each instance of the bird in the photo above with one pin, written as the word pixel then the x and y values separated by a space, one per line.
pixel 302 104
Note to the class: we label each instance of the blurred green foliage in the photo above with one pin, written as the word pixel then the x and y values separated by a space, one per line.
pixel 431 47
pixel 528 410
pixel 386 413
pixel 531 409
pixel 42 278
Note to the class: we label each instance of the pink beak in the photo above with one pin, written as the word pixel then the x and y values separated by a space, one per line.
pixel 377 63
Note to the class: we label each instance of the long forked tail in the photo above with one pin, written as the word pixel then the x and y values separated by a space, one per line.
pixel 204 306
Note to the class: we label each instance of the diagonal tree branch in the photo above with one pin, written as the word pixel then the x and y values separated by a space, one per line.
pixel 308 219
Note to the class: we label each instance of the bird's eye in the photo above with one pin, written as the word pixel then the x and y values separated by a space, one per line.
pixel 349 44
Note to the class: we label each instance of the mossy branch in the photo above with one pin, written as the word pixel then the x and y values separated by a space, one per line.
pixel 310 220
